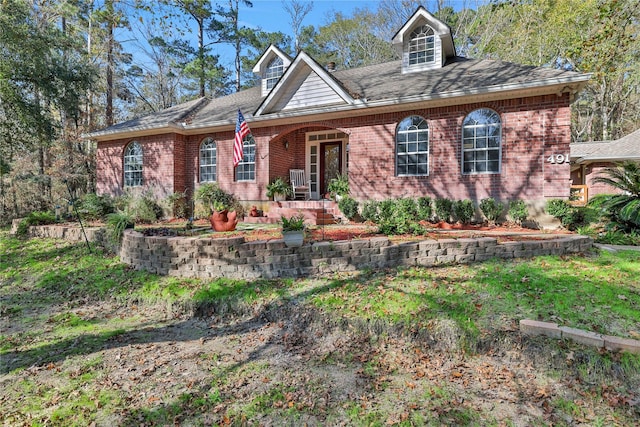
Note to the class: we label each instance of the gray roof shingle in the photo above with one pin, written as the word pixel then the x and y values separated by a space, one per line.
pixel 625 148
pixel 374 83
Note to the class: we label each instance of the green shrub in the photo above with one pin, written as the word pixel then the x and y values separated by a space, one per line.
pixel 518 211
pixel 349 207
pixel 491 209
pixel 444 209
pixel 41 218
pixel 558 208
pixel 116 224
pixel 622 209
pixel 370 211
pixel 145 209
pixel 339 186
pixel 464 211
pixel 92 206
pixel 214 198
pixel 407 206
pixel 400 225
pixel 386 210
pixel 618 237
pixel 424 208
pixel 178 204
pixel 571 217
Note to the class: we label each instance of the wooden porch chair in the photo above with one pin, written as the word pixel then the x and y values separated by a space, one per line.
pixel 301 186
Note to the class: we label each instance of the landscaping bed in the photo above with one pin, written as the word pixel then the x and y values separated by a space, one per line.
pixel 350 231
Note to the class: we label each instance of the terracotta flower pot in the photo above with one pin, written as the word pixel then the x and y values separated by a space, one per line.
pixel 224 220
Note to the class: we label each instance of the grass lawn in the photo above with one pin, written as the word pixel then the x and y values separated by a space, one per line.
pixel 85 340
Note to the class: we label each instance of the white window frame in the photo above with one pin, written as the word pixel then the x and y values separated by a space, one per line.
pixel 273 72
pixel 481 143
pixel 422 46
pixel 133 164
pixel 412 143
pixel 246 169
pixel 208 160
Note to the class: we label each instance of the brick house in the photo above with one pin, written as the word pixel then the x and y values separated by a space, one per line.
pixel 590 159
pixel 432 124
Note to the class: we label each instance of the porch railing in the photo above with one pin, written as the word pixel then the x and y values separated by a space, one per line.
pixel 579 195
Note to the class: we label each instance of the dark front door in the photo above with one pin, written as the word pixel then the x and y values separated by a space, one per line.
pixel 330 163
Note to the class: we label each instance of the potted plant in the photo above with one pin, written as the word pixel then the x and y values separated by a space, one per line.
pixel 279 189
pixel 338 187
pixel 218 203
pixel 293 230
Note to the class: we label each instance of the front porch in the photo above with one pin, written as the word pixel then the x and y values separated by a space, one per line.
pixel 315 212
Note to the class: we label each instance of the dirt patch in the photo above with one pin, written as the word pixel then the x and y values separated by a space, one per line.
pixel 293 365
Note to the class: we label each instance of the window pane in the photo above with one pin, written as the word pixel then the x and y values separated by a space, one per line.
pixel 208 160
pixel 132 165
pixel 245 171
pixel 412 146
pixel 481 129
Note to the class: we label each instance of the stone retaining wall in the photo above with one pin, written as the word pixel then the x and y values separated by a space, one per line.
pixel 205 257
pixel 235 258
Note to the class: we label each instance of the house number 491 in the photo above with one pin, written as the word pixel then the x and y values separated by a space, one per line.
pixel 558 158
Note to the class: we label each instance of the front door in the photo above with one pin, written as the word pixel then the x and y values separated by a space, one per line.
pixel 330 163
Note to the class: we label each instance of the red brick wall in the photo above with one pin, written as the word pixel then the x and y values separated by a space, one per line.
pixel 529 137
pixel 534 128
pixel 158 165
pixel 594 170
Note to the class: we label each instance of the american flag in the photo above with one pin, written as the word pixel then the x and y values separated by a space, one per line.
pixel 242 130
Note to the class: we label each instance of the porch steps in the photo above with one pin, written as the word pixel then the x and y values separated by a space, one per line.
pixel 315 212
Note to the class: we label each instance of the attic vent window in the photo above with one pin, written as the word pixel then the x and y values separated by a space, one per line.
pixel 422 46
pixel 274 71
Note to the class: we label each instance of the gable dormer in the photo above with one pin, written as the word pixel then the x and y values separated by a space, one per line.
pixel 425 42
pixel 270 67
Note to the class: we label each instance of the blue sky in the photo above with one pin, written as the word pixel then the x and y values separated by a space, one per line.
pixel 271 16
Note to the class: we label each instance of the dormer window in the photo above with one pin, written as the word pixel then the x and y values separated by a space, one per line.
pixel 424 42
pixel 422 46
pixel 274 71
pixel 271 67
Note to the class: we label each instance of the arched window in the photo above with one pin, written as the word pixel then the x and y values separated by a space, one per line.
pixel 133 165
pixel 246 169
pixel 422 46
pixel 274 71
pixel 208 160
pixel 481 142
pixel 412 147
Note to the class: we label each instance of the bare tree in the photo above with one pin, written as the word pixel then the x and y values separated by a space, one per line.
pixel 297 11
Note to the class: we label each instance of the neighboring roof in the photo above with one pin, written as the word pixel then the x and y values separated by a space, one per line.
pixel 376 88
pixel 625 148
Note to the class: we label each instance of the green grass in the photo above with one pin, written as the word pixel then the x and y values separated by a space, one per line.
pixel 45 285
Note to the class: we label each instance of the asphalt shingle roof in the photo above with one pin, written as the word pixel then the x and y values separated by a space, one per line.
pixel 381 82
pixel 627 147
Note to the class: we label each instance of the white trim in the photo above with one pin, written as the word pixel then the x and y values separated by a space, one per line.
pixel 442 99
pixel 301 60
